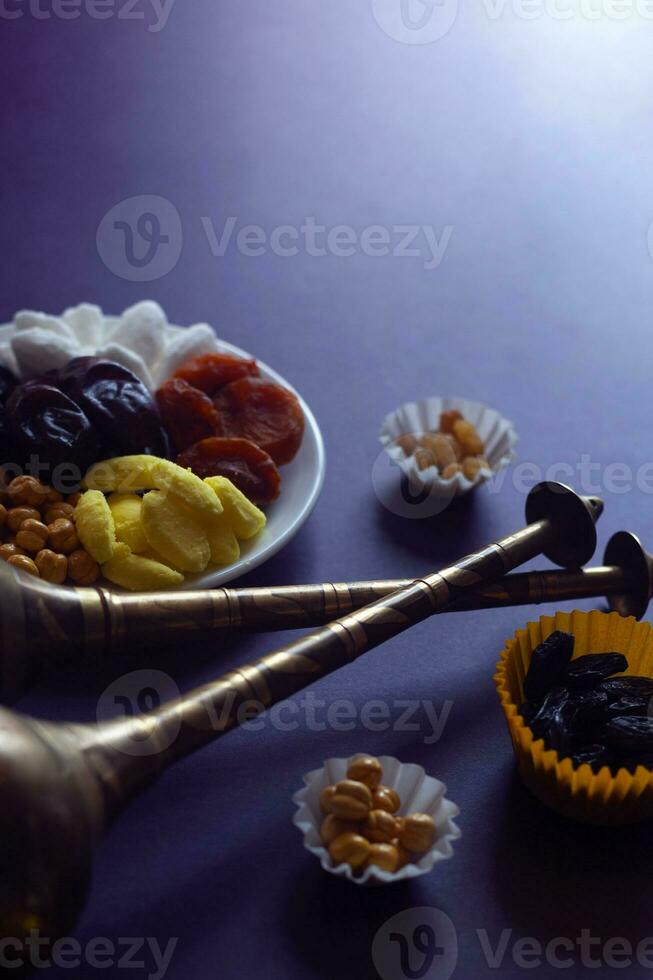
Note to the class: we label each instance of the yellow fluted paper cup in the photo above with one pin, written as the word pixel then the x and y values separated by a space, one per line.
pixel 576 791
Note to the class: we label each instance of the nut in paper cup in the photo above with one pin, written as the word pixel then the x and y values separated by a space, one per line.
pixel 576 791
pixel 418 792
pixel 428 489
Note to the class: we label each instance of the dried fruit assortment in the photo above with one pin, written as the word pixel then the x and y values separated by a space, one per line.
pixel 225 420
pixel 148 522
pixel 584 712
pixel 152 521
pixel 455 447
pixel 361 826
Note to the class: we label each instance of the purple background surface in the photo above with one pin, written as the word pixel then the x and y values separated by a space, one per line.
pixel 531 137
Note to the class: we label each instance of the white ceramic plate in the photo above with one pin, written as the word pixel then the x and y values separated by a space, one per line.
pixel 301 482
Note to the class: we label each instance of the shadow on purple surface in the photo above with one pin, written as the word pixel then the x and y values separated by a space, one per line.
pixel 333 923
pixel 552 876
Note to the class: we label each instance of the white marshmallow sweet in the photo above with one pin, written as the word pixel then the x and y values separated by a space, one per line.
pixel 38 350
pixel 141 339
pixel 142 329
pixel 87 323
pixel 195 340
pixel 28 319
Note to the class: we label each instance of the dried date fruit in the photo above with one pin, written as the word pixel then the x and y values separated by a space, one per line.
pixel 46 424
pixel 118 404
pixel 595 755
pixel 627 704
pixel 187 414
pixel 631 686
pixel 265 413
pixel 244 463
pixel 588 670
pixel 629 735
pixel 210 372
pixel 548 662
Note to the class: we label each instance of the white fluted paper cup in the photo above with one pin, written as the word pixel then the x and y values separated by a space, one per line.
pixel 418 792
pixel 416 418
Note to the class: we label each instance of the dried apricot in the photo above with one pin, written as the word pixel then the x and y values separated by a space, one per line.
pixel 247 466
pixel 264 413
pixel 210 372
pixel 187 414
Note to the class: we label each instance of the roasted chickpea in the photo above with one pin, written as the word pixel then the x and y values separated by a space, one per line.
pixel 450 470
pixel 385 798
pixel 350 849
pixel 326 796
pixel 63 536
pixel 418 833
pixel 3 515
pixel 32 535
pixel 55 512
pixel 23 564
pixel 82 569
pixel 384 856
pixel 351 801
pixel 73 498
pixel 332 827
pixel 8 549
pixel 472 467
pixel 440 448
pixel 52 567
pixel 26 491
pixel 449 419
pixel 365 769
pixel 407 443
pixel 404 855
pixel 16 516
pixel 469 439
pixel 380 827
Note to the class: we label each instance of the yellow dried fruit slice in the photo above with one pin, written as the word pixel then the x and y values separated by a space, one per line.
pixel 126 509
pixel 245 518
pixel 174 532
pixel 139 574
pixel 95 525
pixel 128 474
pixel 222 541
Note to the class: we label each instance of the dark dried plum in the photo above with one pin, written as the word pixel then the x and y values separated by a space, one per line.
pixel 48 427
pixel 631 686
pixel 589 670
pixel 629 735
pixel 118 404
pixel 528 710
pixel 7 384
pixel 595 755
pixel 627 704
pixel 548 662
pixel 554 720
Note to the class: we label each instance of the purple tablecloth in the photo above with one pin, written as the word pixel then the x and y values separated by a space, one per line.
pixel 515 151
